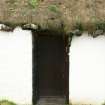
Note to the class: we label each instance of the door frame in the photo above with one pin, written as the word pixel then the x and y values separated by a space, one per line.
pixel 35 73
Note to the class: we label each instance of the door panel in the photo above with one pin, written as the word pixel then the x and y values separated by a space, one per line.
pixel 51 65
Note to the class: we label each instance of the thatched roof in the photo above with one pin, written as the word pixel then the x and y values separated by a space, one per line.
pixel 62 15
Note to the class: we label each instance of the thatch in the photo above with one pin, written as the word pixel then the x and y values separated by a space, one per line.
pixel 59 15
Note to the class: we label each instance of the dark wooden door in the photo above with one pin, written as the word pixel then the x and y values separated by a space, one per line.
pixel 51 66
pixel 50 70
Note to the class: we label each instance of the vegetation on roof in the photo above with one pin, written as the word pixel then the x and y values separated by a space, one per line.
pixel 33 3
pixel 66 15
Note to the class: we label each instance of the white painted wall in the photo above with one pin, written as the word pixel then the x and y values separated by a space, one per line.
pixel 16 66
pixel 87 69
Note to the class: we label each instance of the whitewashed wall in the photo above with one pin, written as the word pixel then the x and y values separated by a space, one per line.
pixel 16 66
pixel 87 69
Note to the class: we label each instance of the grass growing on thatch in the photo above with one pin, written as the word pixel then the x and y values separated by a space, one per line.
pixel 6 102
pixel 53 8
pixel 33 3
